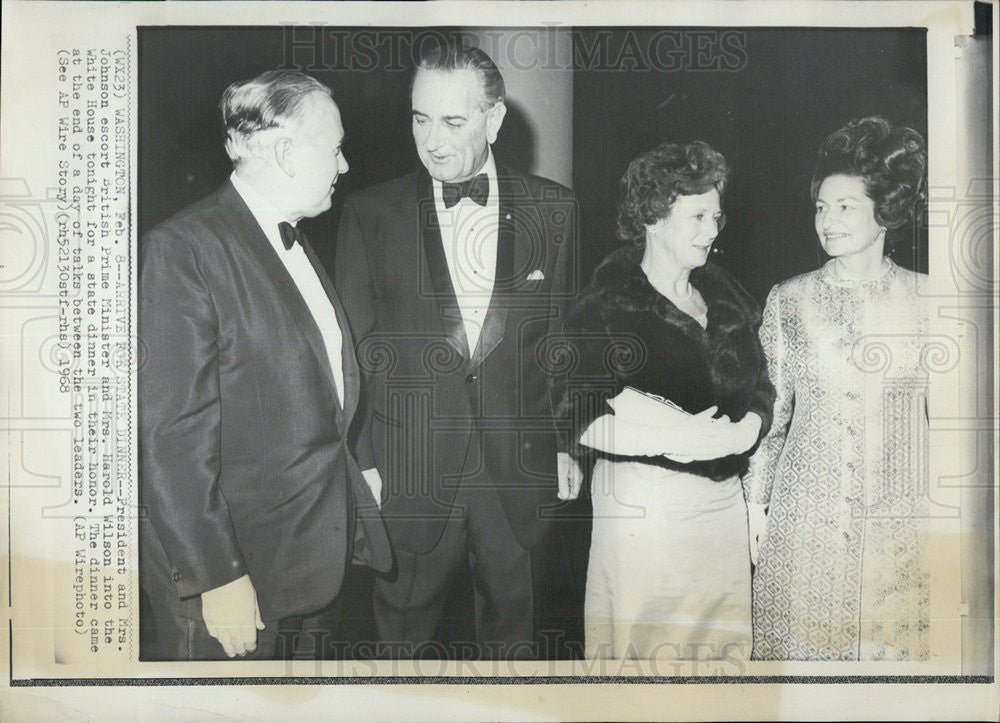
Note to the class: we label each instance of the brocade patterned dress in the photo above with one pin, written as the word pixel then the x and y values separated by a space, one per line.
pixel 842 574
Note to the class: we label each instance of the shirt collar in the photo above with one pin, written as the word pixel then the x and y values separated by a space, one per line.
pixel 266 213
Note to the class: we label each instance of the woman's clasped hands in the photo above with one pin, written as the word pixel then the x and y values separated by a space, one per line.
pixel 703 437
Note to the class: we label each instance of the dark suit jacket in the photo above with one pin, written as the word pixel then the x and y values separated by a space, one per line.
pixel 244 463
pixel 427 395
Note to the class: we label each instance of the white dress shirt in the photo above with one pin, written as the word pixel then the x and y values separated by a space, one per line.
pixel 302 273
pixel 469 233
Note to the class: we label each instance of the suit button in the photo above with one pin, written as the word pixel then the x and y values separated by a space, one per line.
pixel 472 378
pixel 176 577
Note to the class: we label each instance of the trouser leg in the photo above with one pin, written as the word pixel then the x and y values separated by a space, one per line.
pixel 312 636
pixel 409 604
pixel 502 573
pixel 559 569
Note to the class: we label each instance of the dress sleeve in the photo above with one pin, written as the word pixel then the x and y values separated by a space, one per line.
pixel 760 476
pixel 762 401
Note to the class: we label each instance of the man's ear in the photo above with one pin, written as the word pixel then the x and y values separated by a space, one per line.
pixel 494 119
pixel 282 151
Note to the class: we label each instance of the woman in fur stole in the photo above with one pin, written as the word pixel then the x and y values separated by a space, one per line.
pixel 669 570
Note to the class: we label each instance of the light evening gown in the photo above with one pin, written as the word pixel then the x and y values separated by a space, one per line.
pixel 843 573
pixel 669 571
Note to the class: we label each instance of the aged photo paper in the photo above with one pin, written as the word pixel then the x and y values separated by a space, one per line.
pixel 109 125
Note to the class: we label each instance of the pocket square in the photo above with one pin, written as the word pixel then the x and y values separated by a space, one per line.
pixel 536 275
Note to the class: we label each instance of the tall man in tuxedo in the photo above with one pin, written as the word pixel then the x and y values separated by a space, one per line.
pixel 255 503
pixel 453 277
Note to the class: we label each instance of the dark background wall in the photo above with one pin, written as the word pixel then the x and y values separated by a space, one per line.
pixel 766 98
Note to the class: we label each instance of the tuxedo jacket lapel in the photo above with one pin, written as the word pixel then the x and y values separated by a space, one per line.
pixel 437 266
pixel 348 361
pixel 509 236
pixel 258 245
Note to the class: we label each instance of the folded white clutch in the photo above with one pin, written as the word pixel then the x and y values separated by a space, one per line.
pixel 642 424
pixel 639 407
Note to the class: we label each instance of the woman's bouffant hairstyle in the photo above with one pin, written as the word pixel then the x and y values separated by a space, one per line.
pixel 890 160
pixel 655 179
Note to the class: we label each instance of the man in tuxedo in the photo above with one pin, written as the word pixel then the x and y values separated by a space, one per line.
pixel 453 278
pixel 255 503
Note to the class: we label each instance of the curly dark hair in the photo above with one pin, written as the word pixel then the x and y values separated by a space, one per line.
pixel 890 160
pixel 655 179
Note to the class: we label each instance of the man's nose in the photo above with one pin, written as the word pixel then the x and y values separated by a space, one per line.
pixel 433 140
pixel 343 165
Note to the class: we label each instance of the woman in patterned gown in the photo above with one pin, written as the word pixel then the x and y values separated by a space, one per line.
pixel 841 573
pixel 669 566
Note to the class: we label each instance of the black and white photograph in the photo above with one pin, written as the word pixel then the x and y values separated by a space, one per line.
pixel 494 350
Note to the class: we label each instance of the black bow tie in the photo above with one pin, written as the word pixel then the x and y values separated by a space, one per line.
pixel 476 188
pixel 290 234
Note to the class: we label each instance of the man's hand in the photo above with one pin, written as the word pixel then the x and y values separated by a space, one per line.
pixel 570 477
pixel 232 616
pixel 374 480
